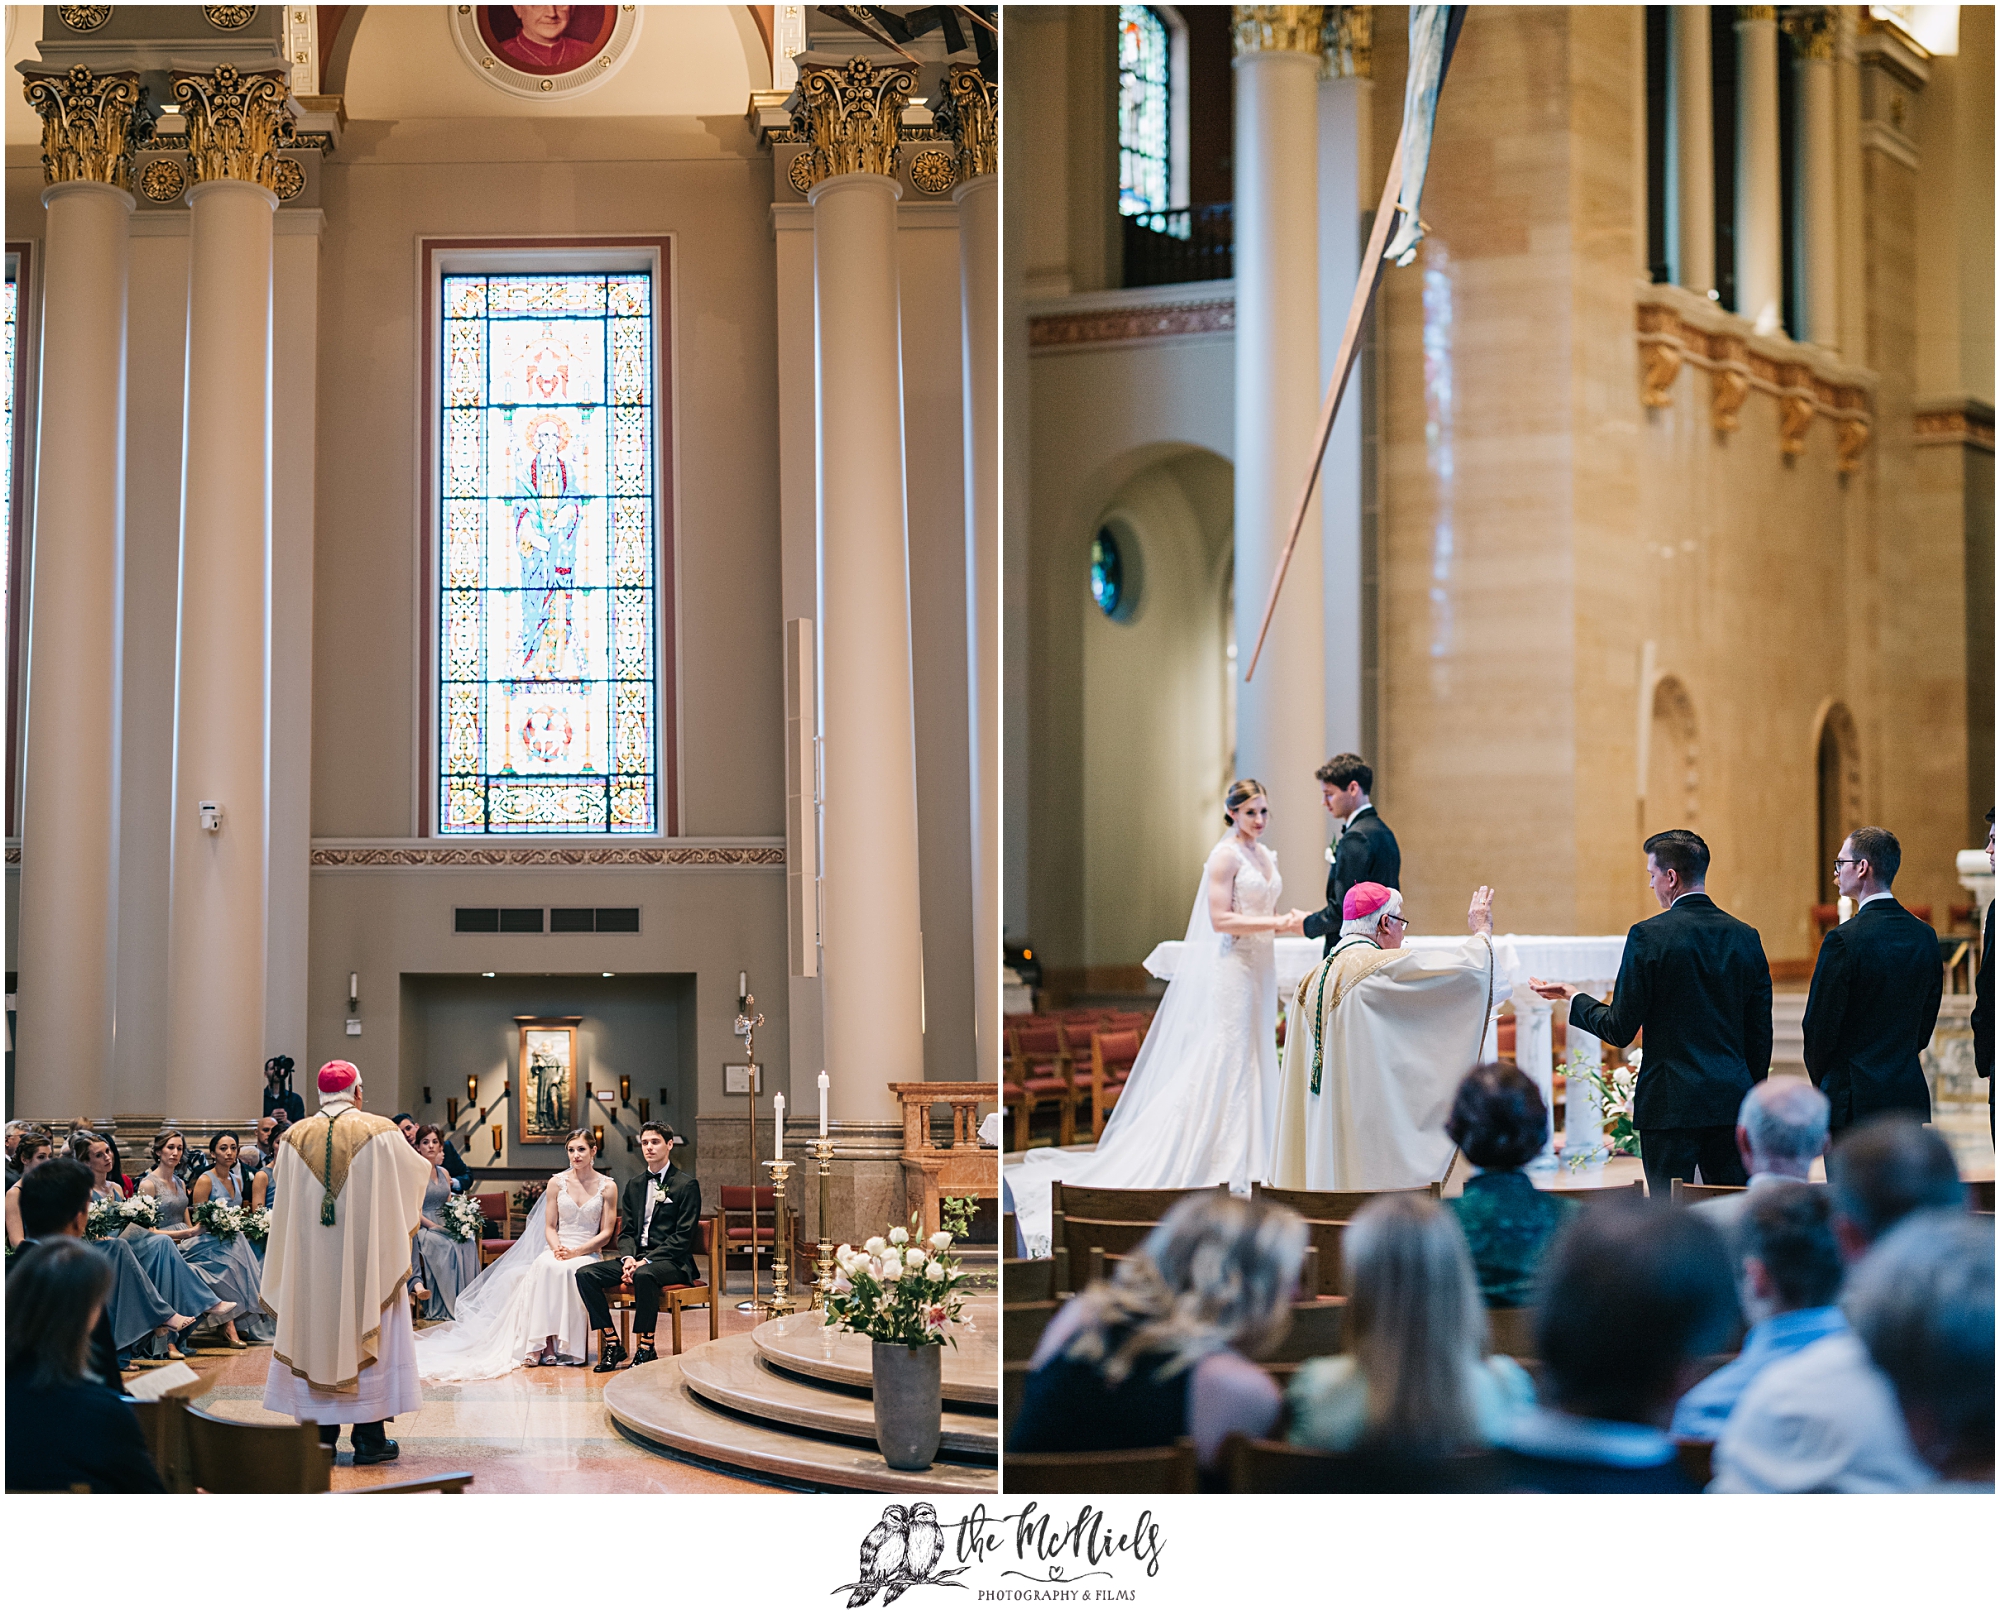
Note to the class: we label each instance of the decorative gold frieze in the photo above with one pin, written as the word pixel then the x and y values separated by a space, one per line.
pixel 1795 418
pixel 1151 324
pixel 932 172
pixel 1347 44
pixel 1729 382
pixel 800 172
pixel 235 122
pixel 162 180
pixel 1850 445
pixel 229 18
pixel 288 179
pixel 87 124
pixel 854 116
pixel 1662 358
pixel 1813 30
pixel 84 19
pixel 974 121
pixel 1256 29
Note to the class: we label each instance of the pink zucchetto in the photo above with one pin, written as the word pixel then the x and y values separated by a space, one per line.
pixel 337 1075
pixel 1364 899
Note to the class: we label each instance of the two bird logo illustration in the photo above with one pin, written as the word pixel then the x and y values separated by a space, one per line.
pixel 900 1552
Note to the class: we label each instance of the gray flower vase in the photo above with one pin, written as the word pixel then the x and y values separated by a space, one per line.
pixel 909 1403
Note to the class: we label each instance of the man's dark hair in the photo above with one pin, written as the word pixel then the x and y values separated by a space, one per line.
pixel 1892 1166
pixel 1881 849
pixel 1789 1227
pixel 401 1116
pixel 1344 770
pixel 52 1194
pixel 667 1133
pixel 53 1291
pixel 1630 1294
pixel 1681 850
pixel 1498 1118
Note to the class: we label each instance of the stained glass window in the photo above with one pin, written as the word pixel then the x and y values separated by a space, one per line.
pixel 1142 111
pixel 548 646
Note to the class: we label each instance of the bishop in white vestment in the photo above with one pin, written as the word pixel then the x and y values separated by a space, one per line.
pixel 1377 1041
pixel 348 1200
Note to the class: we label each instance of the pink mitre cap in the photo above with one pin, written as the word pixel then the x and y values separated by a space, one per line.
pixel 337 1075
pixel 1364 899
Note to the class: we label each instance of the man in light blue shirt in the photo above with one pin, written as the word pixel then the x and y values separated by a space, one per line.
pixel 1789 1271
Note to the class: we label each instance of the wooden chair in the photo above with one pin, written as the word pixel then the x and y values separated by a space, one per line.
pixel 1013 1386
pixel 736 1231
pixel 1589 1196
pixel 1039 1064
pixel 1685 1193
pixel 1335 1205
pixel 1697 1460
pixel 1010 1237
pixel 1315 1330
pixel 1044 1279
pixel 226 1458
pixel 1167 1469
pixel 1014 1099
pixel 1271 1467
pixel 1979 1195
pixel 1511 1331
pixel 1022 1323
pixel 1139 1020
pixel 494 1208
pixel 708 1238
pixel 1112 1054
pixel 1115 1220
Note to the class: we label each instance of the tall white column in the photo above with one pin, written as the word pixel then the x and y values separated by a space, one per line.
pixel 978 198
pixel 871 941
pixel 1691 189
pixel 217 925
pixel 1760 295
pixel 1281 716
pixel 1819 249
pixel 68 941
pixel 1344 110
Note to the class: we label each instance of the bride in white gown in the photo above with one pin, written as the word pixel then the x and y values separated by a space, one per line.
pixel 1202 1099
pixel 524 1310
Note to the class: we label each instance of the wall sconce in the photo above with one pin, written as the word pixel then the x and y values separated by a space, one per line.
pixel 597 1136
pixel 427 1095
pixel 496 1140
pixel 663 1096
pixel 353 990
pixel 624 1089
pixel 472 1089
pixel 631 1144
pixel 451 1113
pixel 645 1111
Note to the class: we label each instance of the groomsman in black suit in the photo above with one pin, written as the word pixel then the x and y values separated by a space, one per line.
pixel 1875 992
pixel 1365 848
pixel 1698 982
pixel 1982 998
pixel 656 1230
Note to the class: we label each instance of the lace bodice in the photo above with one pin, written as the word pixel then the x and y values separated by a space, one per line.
pixel 1253 893
pixel 172 1197
pixel 576 1224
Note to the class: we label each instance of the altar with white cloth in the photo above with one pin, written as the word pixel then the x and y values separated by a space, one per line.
pixel 1589 963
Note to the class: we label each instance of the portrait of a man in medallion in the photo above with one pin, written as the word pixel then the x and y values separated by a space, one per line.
pixel 546 39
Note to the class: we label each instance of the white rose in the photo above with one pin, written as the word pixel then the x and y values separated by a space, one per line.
pixel 843 1253
pixel 875 1246
pixel 934 1272
pixel 891 1276
pixel 899 1236
pixel 940 1241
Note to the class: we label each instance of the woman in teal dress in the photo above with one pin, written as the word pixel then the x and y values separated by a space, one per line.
pixel 227 1183
pixel 438 1262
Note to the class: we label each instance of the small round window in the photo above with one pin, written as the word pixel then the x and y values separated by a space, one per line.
pixel 1107 572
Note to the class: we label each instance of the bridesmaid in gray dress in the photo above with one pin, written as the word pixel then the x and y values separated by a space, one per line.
pixel 442 1264
pixel 161 1269
pixel 205 1254
pixel 230 1264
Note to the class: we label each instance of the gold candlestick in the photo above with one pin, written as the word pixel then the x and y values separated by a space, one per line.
pixel 821 1150
pixel 747 1022
pixel 781 1300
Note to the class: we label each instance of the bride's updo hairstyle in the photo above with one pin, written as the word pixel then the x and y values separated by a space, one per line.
pixel 585 1134
pixel 1243 790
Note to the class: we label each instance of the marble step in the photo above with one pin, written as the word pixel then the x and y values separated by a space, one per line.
pixel 971 1368
pixel 733 1374
pixel 655 1406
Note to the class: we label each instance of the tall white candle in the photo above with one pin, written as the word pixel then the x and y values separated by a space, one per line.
pixel 778 1109
pixel 822 1103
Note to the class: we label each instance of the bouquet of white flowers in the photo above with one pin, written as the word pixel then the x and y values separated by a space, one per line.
pixel 462 1218
pixel 217 1217
pixel 901 1289
pixel 110 1217
pixel 256 1226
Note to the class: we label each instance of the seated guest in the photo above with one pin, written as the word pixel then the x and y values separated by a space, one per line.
pixel 55 1203
pixel 1788 1273
pixel 1632 1297
pixel 229 1266
pixel 1499 1122
pixel 1922 1303
pixel 29 1150
pixel 1158 1350
pixel 1825 1419
pixel 66 1430
pixel 16 1132
pixel 440 1265
pixel 166 1267
pixel 1780 1132
pixel 1412 1380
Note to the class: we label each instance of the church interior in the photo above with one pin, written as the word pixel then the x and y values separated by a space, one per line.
pixel 503 591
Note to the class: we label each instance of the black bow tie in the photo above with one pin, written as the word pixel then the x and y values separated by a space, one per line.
pixel 659 1177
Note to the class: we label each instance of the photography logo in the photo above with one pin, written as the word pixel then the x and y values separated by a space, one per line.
pixel 1029 1555
pixel 900 1552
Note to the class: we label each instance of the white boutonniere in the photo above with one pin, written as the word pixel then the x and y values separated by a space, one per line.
pixel 1329 851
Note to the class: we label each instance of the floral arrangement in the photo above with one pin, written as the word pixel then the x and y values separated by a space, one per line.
pixel 110 1217
pixel 901 1290
pixel 256 1226
pixel 217 1217
pixel 462 1218
pixel 1614 1089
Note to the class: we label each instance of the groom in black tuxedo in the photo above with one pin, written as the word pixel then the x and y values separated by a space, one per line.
pixel 657 1215
pixel 1366 848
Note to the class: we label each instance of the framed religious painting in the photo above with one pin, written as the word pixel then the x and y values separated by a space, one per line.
pixel 545 52
pixel 547 1092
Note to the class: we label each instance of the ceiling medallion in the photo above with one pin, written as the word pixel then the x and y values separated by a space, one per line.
pixel 229 18
pixel 933 172
pixel 163 181
pixel 554 54
pixel 84 19
pixel 288 179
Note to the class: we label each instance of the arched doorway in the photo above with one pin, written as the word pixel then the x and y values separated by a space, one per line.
pixel 1839 772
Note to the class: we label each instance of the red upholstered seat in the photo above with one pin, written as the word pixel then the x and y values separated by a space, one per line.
pixel 493 1207
pixel 1040 1065
pixel 1111 1056
pixel 708 1239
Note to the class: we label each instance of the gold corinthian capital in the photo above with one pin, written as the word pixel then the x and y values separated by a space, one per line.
pixel 1812 29
pixel 235 122
pixel 87 121
pixel 1276 28
pixel 1348 42
pixel 975 121
pixel 854 116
